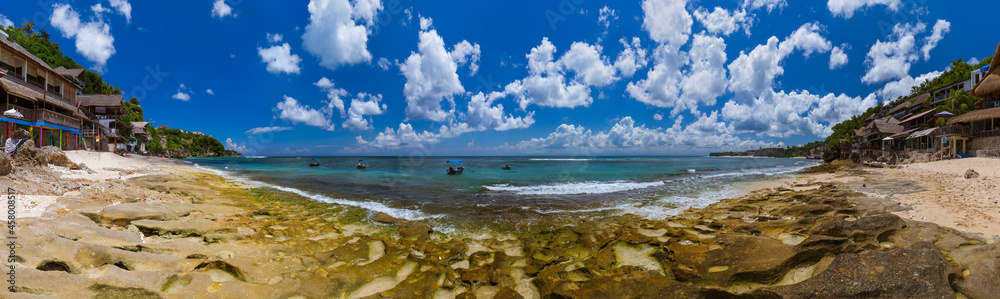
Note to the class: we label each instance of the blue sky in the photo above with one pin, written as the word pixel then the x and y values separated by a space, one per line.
pixel 573 77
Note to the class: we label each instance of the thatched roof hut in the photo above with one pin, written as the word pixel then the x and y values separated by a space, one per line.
pixel 977 115
pixel 990 85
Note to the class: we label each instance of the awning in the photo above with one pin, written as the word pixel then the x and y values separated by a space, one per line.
pixel 900 135
pixel 922 133
pixel 917 116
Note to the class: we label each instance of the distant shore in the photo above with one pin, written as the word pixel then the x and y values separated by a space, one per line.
pixel 156 227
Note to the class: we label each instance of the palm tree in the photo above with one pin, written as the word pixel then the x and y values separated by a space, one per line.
pixel 44 35
pixel 28 28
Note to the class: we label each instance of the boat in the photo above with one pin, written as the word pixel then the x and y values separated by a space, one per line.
pixel 505 167
pixel 314 163
pixel 363 164
pixel 452 169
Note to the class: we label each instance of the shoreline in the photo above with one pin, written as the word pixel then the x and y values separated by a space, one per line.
pixel 191 232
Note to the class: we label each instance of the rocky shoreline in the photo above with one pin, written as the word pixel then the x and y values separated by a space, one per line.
pixel 183 233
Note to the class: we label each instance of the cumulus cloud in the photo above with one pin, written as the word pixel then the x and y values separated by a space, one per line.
pixel 338 32
pixel 548 83
pixel 661 87
pixel 230 145
pixel 806 39
pixel 182 93
pixel 482 115
pixel 706 79
pixel 221 10
pixel 769 5
pixel 93 38
pixel 890 60
pixel 465 52
pixel 123 8
pixel 362 106
pixel 658 116
pixel 291 110
pixel 384 64
pixel 262 130
pixel 751 74
pixel 847 8
pixel 209 91
pixel 431 76
pixel 605 16
pixel 903 86
pixel 5 22
pixel 334 96
pixel 274 38
pixel 837 57
pixel 627 135
pixel 632 57
pixel 279 59
pixel 721 21
pixel 403 137
pixel 667 21
pixel 782 114
pixel 941 28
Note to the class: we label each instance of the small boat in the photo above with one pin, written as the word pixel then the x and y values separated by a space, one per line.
pixel 314 163
pixel 363 164
pixel 505 167
pixel 455 170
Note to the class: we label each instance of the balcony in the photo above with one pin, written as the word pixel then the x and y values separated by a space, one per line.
pixel 28 113
pixel 56 118
pixel 955 130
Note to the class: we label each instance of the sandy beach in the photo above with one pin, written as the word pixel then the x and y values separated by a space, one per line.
pixel 144 227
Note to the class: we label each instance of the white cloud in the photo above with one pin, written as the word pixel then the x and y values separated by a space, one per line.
pixel 782 114
pixel 335 34
pixel 426 23
pixel 279 59
pixel 807 39
pixel 847 8
pixel 890 60
pixel 632 58
pixel 404 137
pixel 431 76
pixel 605 16
pixel 706 79
pixel 123 8
pixel 903 86
pixel 292 111
pixel 625 135
pixel 751 74
pixel 667 21
pixel 941 28
pixel 93 38
pixel 384 64
pixel 363 105
pixel 334 95
pixel 547 84
pixel 770 5
pixel 5 22
pixel 209 91
pixel 658 116
pixel 482 115
pixel 721 21
pixel 182 93
pixel 262 130
pixel 837 57
pixel 98 9
pixel 661 88
pixel 221 10
pixel 230 145
pixel 274 38
pixel 465 52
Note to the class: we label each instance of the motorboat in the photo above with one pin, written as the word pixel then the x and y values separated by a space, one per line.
pixel 316 163
pixel 363 164
pixel 456 166
pixel 505 167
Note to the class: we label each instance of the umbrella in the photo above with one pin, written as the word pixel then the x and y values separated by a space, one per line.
pixel 944 114
pixel 13 113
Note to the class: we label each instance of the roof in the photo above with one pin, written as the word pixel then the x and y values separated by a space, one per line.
pixel 21 90
pixel 101 100
pixel 139 127
pixel 990 85
pixel 887 125
pixel 69 72
pixel 922 133
pixel 25 52
pixel 976 116
pixel 900 135
pixel 917 116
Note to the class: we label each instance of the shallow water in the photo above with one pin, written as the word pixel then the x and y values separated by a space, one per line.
pixel 536 190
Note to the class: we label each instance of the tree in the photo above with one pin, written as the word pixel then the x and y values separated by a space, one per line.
pixel 44 35
pixel 28 28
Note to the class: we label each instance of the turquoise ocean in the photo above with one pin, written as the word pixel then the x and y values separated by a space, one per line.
pixel 536 190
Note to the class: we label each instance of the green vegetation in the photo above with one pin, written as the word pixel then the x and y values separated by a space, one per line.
pixel 959 103
pixel 177 143
pixel 814 150
pixel 845 129
pixel 38 44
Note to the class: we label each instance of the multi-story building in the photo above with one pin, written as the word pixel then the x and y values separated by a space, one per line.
pixel 46 98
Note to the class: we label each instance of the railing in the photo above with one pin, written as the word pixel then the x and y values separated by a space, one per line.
pixel 56 118
pixel 955 130
pixel 987 133
pixel 29 114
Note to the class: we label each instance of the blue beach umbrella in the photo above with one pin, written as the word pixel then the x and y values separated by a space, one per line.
pixel 944 114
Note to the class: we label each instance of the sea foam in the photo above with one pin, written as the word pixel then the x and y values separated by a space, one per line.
pixel 575 187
